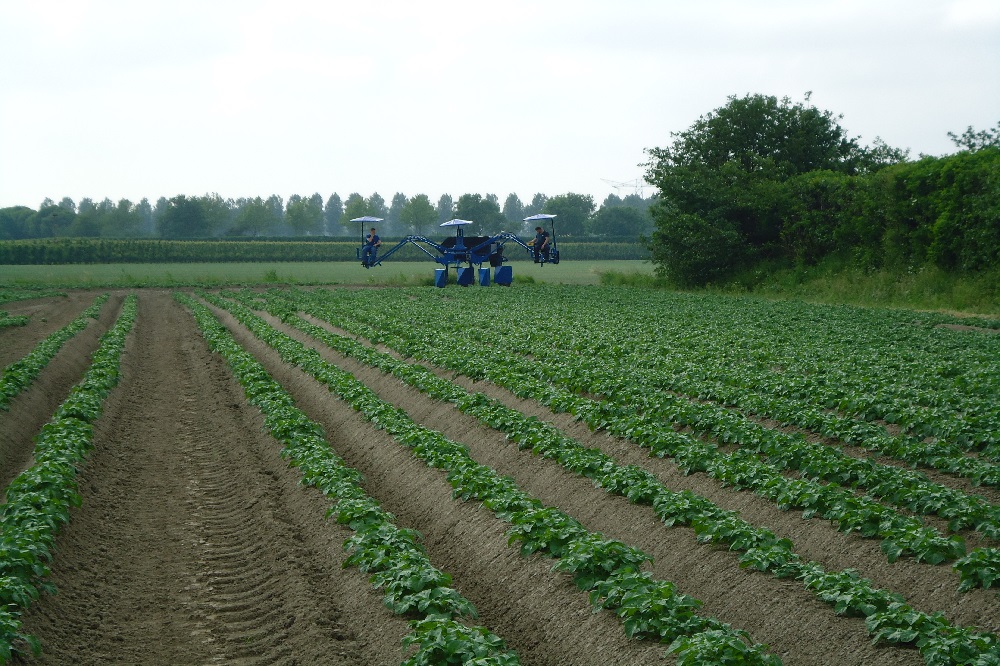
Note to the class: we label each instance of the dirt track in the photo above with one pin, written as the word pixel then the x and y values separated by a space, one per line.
pixel 195 543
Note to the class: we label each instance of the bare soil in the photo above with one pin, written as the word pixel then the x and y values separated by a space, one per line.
pixel 195 542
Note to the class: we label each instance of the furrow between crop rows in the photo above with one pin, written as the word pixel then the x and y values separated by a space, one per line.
pixel 609 569
pixel 195 542
pixel 391 555
pixel 33 407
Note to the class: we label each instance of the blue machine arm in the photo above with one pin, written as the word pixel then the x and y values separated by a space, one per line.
pixel 458 253
pixel 416 241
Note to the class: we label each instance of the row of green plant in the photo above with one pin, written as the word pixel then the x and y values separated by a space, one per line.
pixel 840 403
pixel 870 365
pixel 835 400
pixel 887 614
pixel 900 535
pixel 610 570
pixel 619 379
pixel 10 295
pixel 123 251
pixel 7 319
pixel 393 557
pixel 839 371
pixel 18 375
pixel 40 498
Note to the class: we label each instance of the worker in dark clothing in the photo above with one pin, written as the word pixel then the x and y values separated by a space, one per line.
pixel 372 243
pixel 541 244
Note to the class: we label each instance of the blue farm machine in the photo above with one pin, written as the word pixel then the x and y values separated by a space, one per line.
pixel 467 254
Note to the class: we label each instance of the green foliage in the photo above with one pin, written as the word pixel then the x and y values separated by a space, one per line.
pixel 513 210
pixel 980 568
pixel 593 559
pixel 443 641
pixel 305 216
pixel 587 355
pixel 18 376
pixel 13 222
pixel 719 647
pixel 119 251
pixel 572 211
pixel 7 319
pixel 620 221
pixel 355 207
pixel 418 215
pixel 690 250
pixel 773 179
pixel 972 140
pixel 483 211
pixel 39 499
pixel 597 564
pixel 254 218
pixel 398 564
pixel 183 218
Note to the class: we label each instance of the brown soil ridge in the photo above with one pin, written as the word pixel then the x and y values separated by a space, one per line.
pixel 35 406
pixel 539 614
pixel 46 315
pixel 194 542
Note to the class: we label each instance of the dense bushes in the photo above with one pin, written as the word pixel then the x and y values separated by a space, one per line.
pixel 763 180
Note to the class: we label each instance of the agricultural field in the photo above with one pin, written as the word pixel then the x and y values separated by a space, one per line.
pixel 547 474
pixel 173 275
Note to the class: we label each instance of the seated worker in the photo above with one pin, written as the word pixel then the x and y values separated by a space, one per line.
pixel 541 244
pixel 372 242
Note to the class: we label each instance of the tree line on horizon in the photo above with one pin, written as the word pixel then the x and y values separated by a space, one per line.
pixel 211 216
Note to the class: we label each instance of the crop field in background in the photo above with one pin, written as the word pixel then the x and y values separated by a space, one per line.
pixel 304 272
pixel 547 474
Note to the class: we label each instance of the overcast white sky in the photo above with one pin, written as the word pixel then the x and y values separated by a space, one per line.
pixel 147 98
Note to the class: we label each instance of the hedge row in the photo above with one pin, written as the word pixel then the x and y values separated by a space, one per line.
pixel 143 251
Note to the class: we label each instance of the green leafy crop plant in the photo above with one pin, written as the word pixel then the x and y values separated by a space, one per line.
pixel 18 376
pixel 642 423
pixel 7 319
pixel 763 355
pixel 393 556
pixel 760 549
pixel 39 499
pixel 544 530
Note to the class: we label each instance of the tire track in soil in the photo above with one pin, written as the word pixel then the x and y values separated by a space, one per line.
pixel 35 406
pixel 927 587
pixel 797 626
pixel 194 543
pixel 539 614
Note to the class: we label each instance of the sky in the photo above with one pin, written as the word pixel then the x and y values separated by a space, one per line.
pixel 244 98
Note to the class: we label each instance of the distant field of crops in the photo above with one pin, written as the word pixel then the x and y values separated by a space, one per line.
pixel 291 272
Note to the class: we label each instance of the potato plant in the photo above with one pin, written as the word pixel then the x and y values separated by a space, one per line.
pixel 761 550
pixel 39 499
pixel 18 375
pixel 546 530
